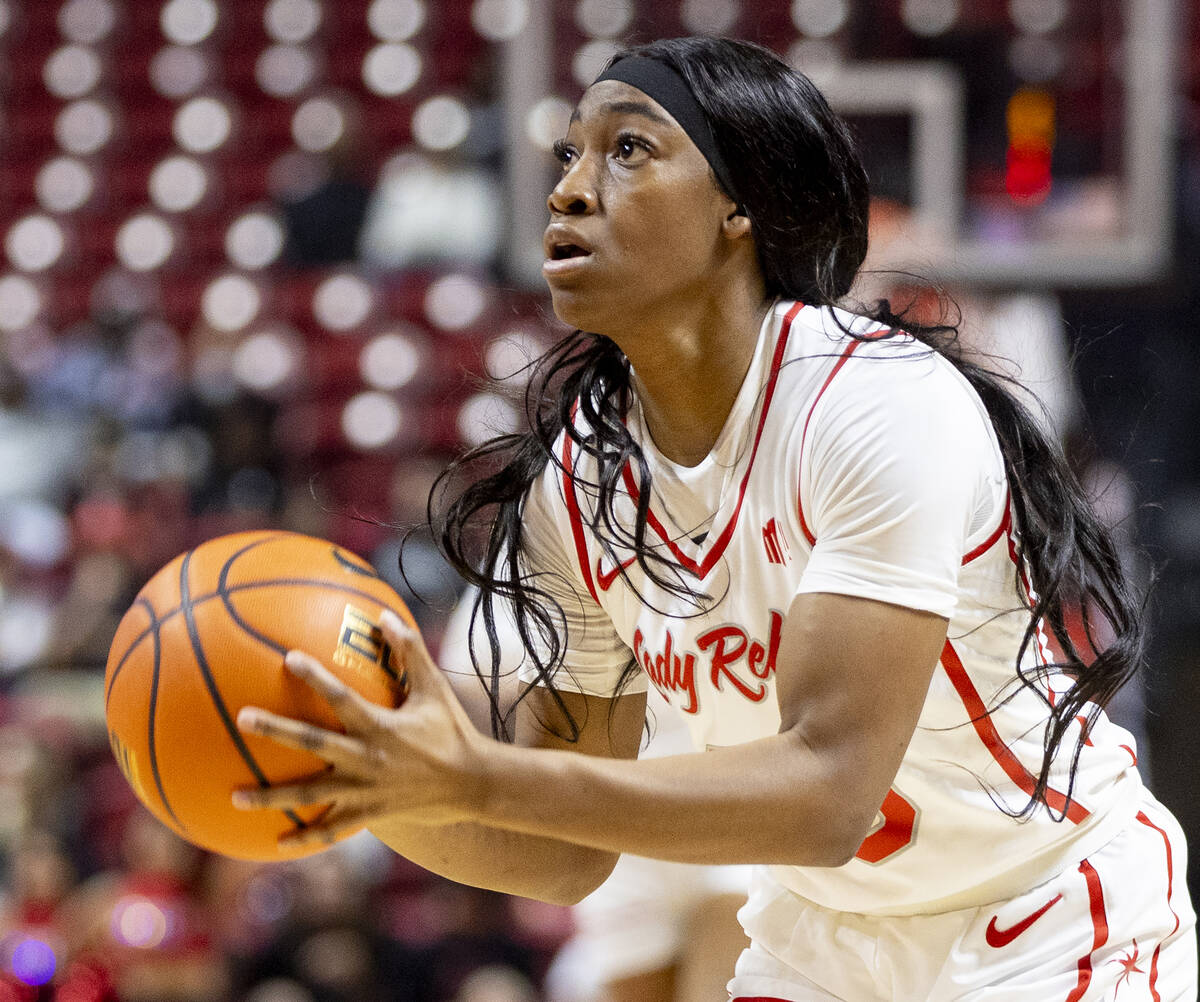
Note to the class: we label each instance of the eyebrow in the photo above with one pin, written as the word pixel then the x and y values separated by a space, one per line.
pixel 628 108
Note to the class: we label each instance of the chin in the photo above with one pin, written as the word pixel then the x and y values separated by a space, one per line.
pixel 574 311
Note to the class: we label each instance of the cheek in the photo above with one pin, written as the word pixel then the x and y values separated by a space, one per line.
pixel 675 233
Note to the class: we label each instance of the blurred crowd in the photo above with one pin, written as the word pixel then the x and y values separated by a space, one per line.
pixel 118 454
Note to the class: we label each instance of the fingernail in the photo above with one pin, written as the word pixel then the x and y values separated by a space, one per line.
pixel 392 621
pixel 294 662
pixel 241 800
pixel 247 719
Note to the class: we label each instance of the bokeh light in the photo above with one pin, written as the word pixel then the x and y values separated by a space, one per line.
pixel 292 20
pixel 144 242
pixel 285 70
pixel 371 420
pixel 603 18
pixel 84 127
pixel 391 68
pixel 318 124
pixel 710 17
pixel 499 20
pixel 202 124
pixel 35 243
pixel 509 356
pixel 254 240
pixel 929 18
pixel 187 22
pixel 342 302
pixel 485 415
pixel 390 361
pixel 20 303
pixel 454 302
pixel 590 58
pixel 72 71
pixel 546 122
pixel 268 361
pixel 178 184
pixel 441 123
pixel 231 302
pixel 64 184
pixel 87 22
pixel 177 71
pixel 32 961
pixel 820 18
pixel 1038 17
pixel 395 20
pixel 35 532
pixel 139 922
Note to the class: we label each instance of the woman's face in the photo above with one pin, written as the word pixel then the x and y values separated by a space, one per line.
pixel 636 219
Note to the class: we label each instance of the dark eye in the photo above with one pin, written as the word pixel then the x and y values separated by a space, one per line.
pixel 564 152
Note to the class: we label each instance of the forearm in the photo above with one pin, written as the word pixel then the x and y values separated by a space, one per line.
pixel 511 862
pixel 768 801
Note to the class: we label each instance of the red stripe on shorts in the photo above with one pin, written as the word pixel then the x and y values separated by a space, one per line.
pixel 1099 929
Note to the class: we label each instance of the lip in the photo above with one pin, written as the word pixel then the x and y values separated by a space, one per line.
pixel 558 235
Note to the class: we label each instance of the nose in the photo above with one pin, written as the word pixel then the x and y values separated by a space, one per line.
pixel 575 194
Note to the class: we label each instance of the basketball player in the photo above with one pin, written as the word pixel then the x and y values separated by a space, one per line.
pixel 831 545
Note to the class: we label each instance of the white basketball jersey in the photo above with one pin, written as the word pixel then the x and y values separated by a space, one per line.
pixel 855 466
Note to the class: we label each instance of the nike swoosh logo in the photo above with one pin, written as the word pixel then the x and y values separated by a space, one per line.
pixel 605 580
pixel 1002 937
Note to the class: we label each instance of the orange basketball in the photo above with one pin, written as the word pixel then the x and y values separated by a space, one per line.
pixel 205 637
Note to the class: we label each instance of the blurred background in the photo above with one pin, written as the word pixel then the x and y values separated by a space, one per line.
pixel 273 262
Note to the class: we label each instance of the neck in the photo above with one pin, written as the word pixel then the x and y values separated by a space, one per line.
pixel 690 367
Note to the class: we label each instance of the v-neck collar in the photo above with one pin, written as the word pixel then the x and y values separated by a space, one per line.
pixel 704 556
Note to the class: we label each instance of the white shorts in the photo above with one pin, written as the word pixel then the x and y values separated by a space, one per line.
pixel 637 919
pixel 1117 927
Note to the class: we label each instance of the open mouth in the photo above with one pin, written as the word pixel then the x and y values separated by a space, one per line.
pixel 562 252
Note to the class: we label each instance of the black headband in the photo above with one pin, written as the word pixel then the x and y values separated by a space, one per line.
pixel 659 81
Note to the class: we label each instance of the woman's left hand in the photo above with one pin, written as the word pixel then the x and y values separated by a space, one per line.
pixel 422 760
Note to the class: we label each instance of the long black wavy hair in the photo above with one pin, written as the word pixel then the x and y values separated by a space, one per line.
pixel 801 182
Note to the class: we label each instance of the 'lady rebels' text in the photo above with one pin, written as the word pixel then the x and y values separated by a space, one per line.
pixel 726 647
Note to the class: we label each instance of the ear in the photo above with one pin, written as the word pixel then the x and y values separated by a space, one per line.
pixel 736 225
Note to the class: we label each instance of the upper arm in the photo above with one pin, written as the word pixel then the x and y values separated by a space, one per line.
pixel 852 678
pixel 609 727
pixel 898 473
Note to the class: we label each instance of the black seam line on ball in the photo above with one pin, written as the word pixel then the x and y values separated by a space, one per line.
pixel 151 629
pixel 151 738
pixel 223 590
pixel 350 565
pixel 202 661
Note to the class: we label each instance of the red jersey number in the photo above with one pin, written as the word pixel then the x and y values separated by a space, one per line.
pixel 897 830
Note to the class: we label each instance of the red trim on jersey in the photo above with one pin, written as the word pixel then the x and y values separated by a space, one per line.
pixel 1099 929
pixel 572 501
pixel 701 567
pixel 850 349
pixel 1000 530
pixel 1141 816
pixel 982 722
